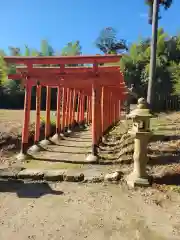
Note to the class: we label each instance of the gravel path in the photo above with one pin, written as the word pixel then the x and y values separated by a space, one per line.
pixel 93 211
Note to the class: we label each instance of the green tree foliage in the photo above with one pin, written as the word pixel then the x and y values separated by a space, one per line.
pixel 135 66
pixel 3 75
pixel 108 43
pixel 15 51
pixel 175 69
pixel 11 93
pixel 27 51
pixel 46 49
pixel 72 49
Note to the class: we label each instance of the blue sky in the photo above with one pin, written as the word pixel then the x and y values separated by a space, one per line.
pixel 61 21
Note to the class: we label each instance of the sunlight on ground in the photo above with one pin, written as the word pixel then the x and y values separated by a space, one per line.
pixel 33 164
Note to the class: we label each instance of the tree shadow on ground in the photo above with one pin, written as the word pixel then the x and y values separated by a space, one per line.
pixel 102 161
pixel 164 137
pixel 27 189
pixel 69 152
pixel 67 145
pixel 54 160
pixel 78 139
pixel 163 160
pixel 168 179
pixel 163 128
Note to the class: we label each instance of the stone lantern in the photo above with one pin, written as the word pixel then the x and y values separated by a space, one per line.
pixel 141 133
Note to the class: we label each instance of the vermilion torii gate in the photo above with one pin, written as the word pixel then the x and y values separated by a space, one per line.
pixel 103 88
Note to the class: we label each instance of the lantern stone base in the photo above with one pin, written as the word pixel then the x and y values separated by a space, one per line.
pixel 135 181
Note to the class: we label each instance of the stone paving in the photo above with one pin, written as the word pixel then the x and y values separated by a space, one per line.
pixel 74 148
pixel 91 175
pixel 63 161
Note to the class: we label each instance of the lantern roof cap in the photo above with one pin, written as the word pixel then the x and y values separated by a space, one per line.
pixel 141 110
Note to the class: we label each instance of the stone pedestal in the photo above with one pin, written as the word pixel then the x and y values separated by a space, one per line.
pixel 139 176
pixel 141 132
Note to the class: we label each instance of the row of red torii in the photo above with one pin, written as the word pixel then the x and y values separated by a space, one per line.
pixel 102 86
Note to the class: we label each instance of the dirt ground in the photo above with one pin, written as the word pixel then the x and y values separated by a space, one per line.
pixel 93 211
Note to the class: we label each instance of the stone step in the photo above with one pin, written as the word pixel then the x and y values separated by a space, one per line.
pixel 92 175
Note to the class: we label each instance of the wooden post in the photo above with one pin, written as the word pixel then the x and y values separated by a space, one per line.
pixel 57 137
pixel 73 106
pixel 64 96
pixel 93 157
pixel 79 107
pixel 35 148
pixel 67 109
pixel 58 116
pixel 38 114
pixel 25 130
pixel 81 120
pixel 116 115
pixel 87 111
pixel 102 109
pixel 94 121
pixel 106 109
pixel 82 111
pixel 111 109
pixel 90 108
pixel 48 112
pixel 119 109
pixel 114 109
pixel 98 114
pixel 48 119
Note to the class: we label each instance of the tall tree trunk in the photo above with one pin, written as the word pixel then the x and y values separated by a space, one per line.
pixel 152 72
